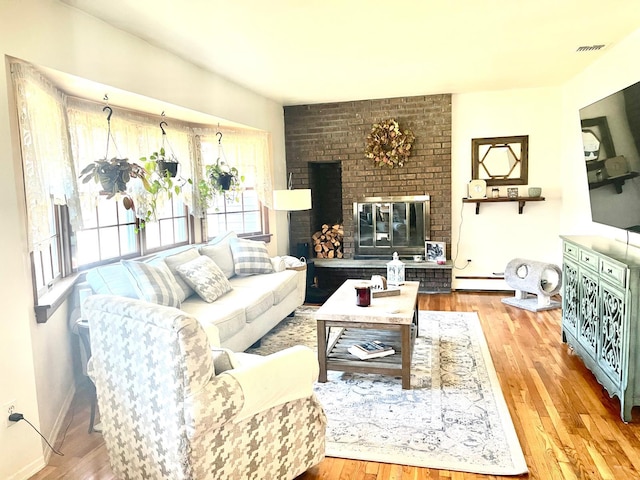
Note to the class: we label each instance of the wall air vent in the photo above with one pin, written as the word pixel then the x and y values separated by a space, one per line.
pixel 589 48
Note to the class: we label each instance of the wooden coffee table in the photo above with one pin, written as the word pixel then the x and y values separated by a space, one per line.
pixel 392 320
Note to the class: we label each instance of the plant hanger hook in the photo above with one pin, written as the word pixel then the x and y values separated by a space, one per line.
pixel 107 107
pixel 219 135
pixel 163 132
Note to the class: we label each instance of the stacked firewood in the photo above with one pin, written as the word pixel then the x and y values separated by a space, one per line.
pixel 327 242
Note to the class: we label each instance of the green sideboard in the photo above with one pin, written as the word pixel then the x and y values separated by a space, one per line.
pixel 600 312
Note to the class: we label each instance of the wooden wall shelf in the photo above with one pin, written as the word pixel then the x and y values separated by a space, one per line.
pixel 521 201
pixel 617 182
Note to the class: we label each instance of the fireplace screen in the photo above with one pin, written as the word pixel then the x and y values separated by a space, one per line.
pixel 391 224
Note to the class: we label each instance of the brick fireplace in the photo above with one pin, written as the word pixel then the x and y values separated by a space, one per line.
pixel 332 135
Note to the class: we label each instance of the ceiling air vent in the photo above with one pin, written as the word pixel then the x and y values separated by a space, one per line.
pixel 589 48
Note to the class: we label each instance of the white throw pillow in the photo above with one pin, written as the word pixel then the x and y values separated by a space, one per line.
pixel 250 257
pixel 153 283
pixel 205 277
pixel 219 251
pixel 174 261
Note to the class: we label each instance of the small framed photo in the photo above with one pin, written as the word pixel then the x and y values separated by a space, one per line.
pixel 512 192
pixel 435 251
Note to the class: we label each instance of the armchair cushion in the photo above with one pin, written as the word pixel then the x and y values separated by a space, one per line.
pixel 205 277
pixel 275 379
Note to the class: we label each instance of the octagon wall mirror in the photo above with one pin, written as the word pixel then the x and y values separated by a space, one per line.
pixel 500 160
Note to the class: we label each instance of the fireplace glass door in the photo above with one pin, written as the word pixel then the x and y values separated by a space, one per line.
pixel 394 224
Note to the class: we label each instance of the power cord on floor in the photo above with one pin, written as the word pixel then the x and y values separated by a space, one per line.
pixel 16 417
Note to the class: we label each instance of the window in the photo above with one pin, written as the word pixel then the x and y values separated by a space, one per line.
pixel 73 227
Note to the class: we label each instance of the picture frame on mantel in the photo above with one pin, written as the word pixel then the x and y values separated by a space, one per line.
pixel 435 251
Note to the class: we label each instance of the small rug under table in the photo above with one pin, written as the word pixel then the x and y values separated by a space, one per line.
pixel 453 418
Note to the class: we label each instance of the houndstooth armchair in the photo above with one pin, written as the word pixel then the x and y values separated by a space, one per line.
pixel 171 408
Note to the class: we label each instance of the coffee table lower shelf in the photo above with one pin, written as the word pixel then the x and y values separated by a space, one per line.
pixel 338 357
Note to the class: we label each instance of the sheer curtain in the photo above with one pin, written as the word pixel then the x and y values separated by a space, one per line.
pixel 247 150
pixel 49 176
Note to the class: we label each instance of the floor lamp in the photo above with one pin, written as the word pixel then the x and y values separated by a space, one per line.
pixel 291 200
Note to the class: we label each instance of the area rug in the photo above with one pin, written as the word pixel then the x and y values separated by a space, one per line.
pixel 453 418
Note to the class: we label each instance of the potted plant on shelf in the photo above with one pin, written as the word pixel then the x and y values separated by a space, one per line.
pixel 114 175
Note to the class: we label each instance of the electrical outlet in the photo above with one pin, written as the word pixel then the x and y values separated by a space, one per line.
pixel 8 409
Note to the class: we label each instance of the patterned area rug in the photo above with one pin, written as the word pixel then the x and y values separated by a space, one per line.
pixel 454 417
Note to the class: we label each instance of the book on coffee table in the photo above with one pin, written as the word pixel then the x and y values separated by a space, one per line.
pixel 373 349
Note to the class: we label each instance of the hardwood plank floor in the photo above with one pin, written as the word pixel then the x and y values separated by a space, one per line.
pixel 568 426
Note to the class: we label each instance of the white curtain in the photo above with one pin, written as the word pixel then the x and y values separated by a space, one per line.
pixel 247 150
pixel 133 136
pixel 49 176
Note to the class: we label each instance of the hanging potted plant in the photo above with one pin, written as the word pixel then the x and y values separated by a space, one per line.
pixel 113 175
pixel 223 178
pixel 161 163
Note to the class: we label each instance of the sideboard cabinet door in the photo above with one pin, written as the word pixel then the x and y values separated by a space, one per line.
pixel 601 313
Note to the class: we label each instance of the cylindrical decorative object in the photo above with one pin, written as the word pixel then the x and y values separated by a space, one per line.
pixel 534 277
pixel 363 295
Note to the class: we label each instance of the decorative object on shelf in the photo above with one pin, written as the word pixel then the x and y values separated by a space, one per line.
pixel 535 192
pixel 395 271
pixel 477 189
pixel 495 192
pixel 114 174
pixel 512 192
pixel 387 145
pixel 435 251
pixel 500 160
pixel 616 166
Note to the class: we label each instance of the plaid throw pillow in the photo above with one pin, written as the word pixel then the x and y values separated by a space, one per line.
pixel 153 283
pixel 205 277
pixel 250 257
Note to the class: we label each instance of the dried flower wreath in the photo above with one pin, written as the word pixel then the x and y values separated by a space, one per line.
pixel 387 145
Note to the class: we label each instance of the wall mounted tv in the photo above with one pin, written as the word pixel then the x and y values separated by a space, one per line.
pixel 611 140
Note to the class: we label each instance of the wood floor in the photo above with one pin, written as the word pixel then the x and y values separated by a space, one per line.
pixel 568 426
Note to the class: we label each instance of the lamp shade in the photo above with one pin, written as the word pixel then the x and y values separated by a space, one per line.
pixel 289 200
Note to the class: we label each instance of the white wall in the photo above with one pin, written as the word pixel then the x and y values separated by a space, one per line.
pixel 36 364
pixel 499 234
pixel 617 69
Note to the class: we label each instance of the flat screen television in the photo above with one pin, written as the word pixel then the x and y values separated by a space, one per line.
pixel 611 140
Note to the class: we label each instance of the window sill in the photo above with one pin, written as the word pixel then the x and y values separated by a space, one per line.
pixel 48 303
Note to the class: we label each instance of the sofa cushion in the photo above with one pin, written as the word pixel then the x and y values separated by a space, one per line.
pixel 205 277
pixel 250 257
pixel 111 280
pixel 280 284
pixel 254 301
pixel 219 251
pixel 177 259
pixel 229 318
pixel 153 283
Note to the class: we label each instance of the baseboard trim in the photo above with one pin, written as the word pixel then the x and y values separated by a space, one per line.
pixel 59 423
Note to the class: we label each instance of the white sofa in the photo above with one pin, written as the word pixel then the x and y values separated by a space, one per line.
pixel 261 290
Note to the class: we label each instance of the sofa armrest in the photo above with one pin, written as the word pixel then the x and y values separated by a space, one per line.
pixel 276 379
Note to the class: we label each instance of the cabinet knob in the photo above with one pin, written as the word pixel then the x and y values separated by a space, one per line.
pixel 609 271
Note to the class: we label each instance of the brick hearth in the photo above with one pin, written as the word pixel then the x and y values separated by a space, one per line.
pixel 336 132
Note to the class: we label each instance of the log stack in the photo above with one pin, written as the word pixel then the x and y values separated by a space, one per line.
pixel 327 242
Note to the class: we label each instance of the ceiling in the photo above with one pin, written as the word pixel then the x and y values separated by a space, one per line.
pixel 301 52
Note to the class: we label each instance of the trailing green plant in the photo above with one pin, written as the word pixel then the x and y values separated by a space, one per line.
pixel 162 181
pixel 220 180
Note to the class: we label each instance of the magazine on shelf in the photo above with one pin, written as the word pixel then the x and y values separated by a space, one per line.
pixel 373 349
